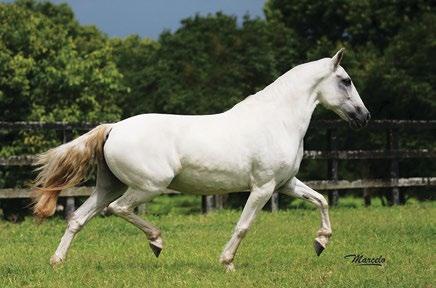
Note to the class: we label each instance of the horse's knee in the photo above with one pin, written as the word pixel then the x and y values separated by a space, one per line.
pixel 241 231
pixel 261 196
pixel 74 225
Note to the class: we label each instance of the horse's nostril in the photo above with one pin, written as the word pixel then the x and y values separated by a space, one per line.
pixel 358 110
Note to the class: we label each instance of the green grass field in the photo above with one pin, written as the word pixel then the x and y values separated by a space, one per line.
pixel 277 252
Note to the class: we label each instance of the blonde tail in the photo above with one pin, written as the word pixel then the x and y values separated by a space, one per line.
pixel 66 166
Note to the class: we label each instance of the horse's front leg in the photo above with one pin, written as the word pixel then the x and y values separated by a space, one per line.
pixel 257 199
pixel 298 189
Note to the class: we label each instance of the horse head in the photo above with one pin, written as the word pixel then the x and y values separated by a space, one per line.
pixel 336 92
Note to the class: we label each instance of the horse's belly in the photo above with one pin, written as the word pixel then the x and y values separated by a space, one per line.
pixel 193 181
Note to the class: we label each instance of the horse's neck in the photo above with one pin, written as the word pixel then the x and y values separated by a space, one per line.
pixel 291 99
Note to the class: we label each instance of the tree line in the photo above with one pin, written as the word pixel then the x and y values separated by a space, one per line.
pixel 54 69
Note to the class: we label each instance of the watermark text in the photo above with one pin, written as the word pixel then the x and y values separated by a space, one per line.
pixel 360 259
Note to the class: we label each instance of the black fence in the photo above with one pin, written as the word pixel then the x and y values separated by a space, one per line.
pixel 391 153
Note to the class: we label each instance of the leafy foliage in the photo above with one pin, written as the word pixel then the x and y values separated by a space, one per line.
pixel 54 69
pixel 136 59
pixel 45 77
pixel 210 64
pixel 391 48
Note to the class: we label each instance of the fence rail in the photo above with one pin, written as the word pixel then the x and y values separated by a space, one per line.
pixel 9 193
pixel 325 124
pixel 392 153
pixel 27 160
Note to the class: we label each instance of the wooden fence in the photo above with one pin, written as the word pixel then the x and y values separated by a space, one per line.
pixel 392 153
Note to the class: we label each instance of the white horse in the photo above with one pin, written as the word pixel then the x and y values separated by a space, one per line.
pixel 256 146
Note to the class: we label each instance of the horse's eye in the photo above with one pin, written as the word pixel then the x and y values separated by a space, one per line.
pixel 346 81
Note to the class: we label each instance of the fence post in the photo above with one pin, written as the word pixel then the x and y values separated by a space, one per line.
pixel 333 195
pixel 70 206
pixel 207 203
pixel 393 145
pixel 366 190
pixel 219 201
pixel 366 197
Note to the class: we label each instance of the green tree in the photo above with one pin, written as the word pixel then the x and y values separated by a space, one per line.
pixel 355 22
pixel 402 83
pixel 390 57
pixel 210 64
pixel 380 34
pixel 136 59
pixel 44 77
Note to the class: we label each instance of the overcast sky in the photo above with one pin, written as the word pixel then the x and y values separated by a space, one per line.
pixel 149 18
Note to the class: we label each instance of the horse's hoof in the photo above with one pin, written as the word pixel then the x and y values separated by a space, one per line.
pixel 55 261
pixel 318 248
pixel 156 246
pixel 156 250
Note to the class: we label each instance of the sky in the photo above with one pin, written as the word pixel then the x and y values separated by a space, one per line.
pixel 148 18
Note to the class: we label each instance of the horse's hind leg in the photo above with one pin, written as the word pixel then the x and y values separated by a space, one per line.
pixel 124 207
pixel 107 189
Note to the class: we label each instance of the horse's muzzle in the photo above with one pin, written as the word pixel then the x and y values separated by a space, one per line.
pixel 359 118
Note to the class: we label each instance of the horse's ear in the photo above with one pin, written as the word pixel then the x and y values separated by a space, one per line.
pixel 336 60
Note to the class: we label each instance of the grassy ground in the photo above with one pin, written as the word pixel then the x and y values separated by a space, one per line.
pixel 277 252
